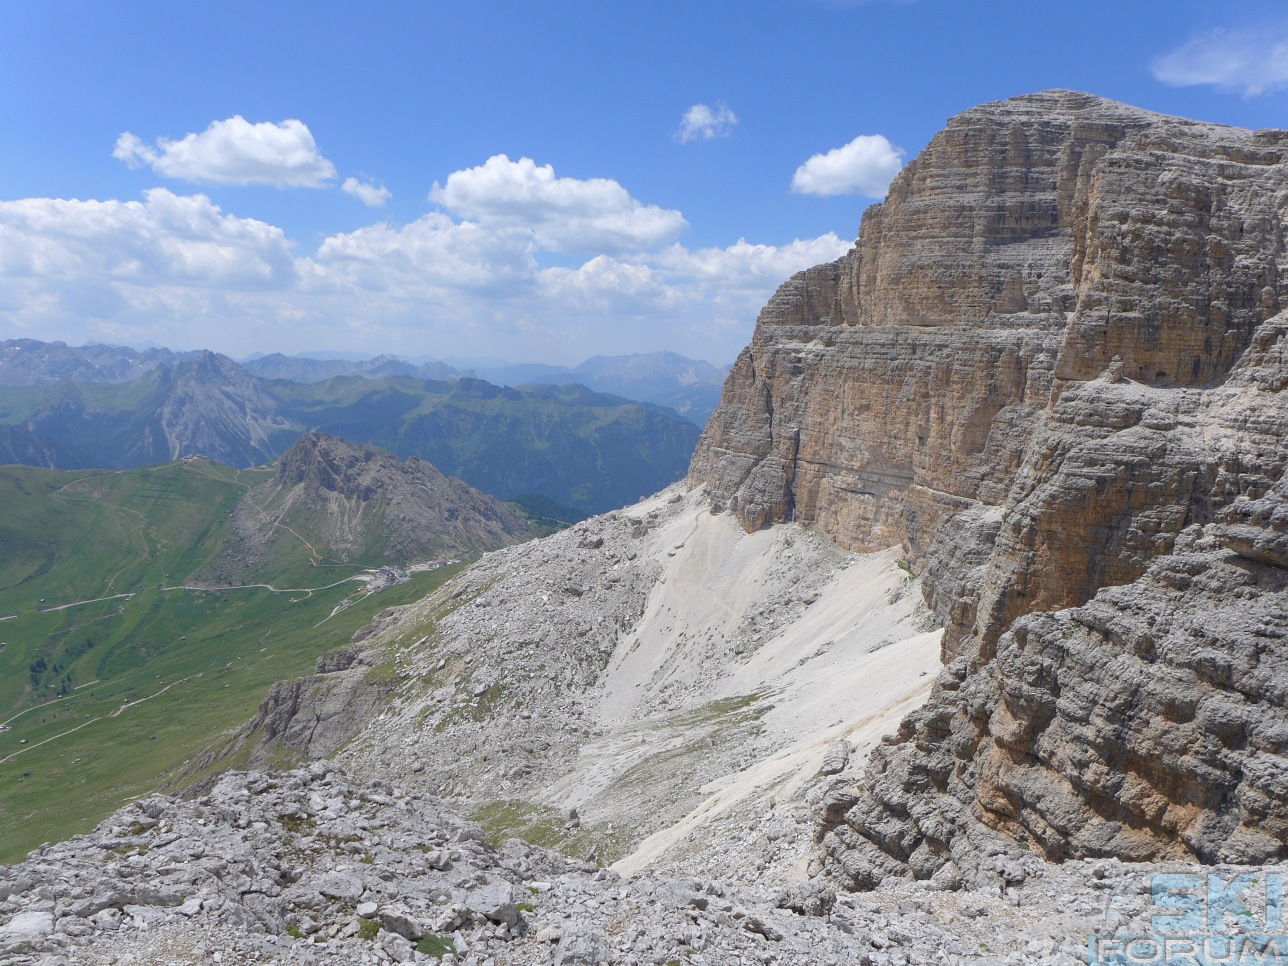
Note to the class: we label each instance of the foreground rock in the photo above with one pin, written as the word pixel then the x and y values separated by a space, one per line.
pixel 312 867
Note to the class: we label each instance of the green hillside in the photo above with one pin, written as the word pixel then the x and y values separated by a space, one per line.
pixel 114 666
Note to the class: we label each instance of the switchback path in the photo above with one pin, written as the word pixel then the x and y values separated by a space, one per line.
pixel 200 589
pixel 82 603
pixel 269 587
pixel 85 724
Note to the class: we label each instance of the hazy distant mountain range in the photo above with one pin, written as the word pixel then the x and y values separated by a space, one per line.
pixel 689 386
pixel 307 369
pixel 585 450
pixel 28 362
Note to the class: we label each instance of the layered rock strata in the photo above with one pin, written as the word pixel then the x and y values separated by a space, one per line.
pixel 1056 348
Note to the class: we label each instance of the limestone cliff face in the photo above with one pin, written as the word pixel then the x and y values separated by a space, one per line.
pixel 887 391
pixel 1056 348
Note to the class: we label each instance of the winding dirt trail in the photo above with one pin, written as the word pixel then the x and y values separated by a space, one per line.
pixel 86 724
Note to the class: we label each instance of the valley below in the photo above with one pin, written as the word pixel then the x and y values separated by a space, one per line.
pixel 120 619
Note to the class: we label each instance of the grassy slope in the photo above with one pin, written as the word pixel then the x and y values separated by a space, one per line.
pixel 196 662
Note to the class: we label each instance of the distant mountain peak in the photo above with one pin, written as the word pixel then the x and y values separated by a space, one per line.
pixel 327 462
pixel 360 504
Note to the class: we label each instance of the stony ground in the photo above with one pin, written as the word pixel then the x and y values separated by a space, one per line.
pixel 608 680
pixel 669 676
pixel 310 866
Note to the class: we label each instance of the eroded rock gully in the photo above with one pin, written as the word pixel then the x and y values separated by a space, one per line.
pixel 1051 369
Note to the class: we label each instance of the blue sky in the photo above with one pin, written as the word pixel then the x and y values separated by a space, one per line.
pixel 533 181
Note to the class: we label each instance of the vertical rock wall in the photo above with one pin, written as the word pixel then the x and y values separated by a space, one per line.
pixel 1055 350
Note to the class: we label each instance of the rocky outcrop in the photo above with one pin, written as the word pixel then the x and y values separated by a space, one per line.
pixel 1056 348
pixel 1147 724
pixel 314 867
pixel 359 504
pixel 421 512
pixel 313 717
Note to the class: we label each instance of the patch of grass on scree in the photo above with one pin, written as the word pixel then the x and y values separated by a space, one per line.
pixel 106 699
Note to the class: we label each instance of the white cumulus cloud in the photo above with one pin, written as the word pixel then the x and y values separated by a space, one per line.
pixel 865 166
pixel 681 286
pixel 609 287
pixel 165 239
pixel 236 152
pixel 430 256
pixel 373 196
pixel 703 122
pixel 1254 62
pixel 745 266
pixel 563 214
pixel 478 277
pixel 157 270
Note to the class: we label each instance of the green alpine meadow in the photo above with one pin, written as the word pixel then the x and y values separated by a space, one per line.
pixel 118 663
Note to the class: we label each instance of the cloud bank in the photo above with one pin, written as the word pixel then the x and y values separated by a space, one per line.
pixel 1253 62
pixel 514 260
pixel 234 152
pixel 563 214
pixel 865 166
pixel 166 239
